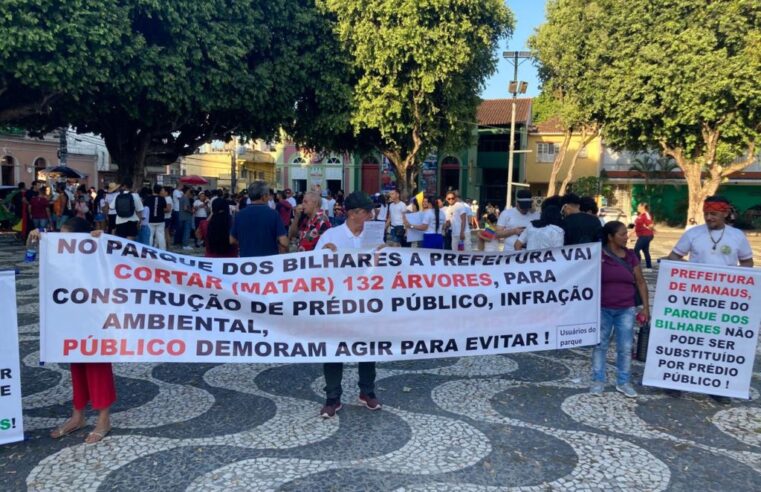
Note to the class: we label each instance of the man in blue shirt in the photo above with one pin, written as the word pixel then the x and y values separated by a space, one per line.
pixel 257 229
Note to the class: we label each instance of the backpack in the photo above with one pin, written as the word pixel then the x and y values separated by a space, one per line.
pixel 124 205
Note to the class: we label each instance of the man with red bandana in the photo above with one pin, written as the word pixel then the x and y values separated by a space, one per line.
pixel 714 243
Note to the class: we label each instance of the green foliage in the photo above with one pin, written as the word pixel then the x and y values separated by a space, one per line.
pixel 417 69
pixel 185 72
pixel 593 186
pixel 569 53
pixel 678 69
pixel 49 48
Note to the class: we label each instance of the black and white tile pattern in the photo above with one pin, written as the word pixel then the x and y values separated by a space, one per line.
pixel 520 422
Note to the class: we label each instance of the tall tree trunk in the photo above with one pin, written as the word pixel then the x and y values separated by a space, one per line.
pixel 698 189
pixel 128 149
pixel 558 162
pixel 587 135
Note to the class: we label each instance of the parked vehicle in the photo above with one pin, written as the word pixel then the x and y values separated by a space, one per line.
pixel 608 214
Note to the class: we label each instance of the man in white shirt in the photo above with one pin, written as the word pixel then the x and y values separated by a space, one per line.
pixel 395 219
pixel 714 243
pixel 289 197
pixel 328 204
pixel 111 192
pixel 177 195
pixel 457 217
pixel 512 221
pixel 359 209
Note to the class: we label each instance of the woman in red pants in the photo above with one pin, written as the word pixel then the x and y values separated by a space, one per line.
pixel 91 382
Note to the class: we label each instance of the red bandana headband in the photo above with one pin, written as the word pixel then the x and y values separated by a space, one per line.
pixel 716 207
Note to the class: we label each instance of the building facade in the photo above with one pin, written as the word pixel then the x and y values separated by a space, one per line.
pixel 23 158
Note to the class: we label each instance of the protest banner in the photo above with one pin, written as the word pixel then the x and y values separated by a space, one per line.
pixel 11 419
pixel 110 299
pixel 704 329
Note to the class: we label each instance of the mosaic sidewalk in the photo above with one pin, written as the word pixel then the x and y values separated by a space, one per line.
pixel 519 422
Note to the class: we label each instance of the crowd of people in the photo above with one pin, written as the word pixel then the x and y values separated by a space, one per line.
pixel 262 222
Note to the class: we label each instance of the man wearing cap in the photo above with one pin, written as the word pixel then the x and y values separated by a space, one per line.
pixel 579 228
pixel 714 243
pixel 349 235
pixel 512 221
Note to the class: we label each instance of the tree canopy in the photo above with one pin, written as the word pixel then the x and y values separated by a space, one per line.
pixel 51 48
pixel 570 51
pixel 680 76
pixel 187 72
pixel 683 78
pixel 416 69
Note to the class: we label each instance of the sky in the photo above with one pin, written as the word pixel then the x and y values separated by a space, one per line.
pixel 529 14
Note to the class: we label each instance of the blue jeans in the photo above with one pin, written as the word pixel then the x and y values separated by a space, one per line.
pixel 143 235
pixel 643 244
pixel 623 322
pixel 185 227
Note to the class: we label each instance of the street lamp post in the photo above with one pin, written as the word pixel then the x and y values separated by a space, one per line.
pixel 515 57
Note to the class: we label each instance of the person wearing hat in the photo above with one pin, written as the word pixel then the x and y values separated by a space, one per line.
pixel 349 235
pixel 513 221
pixel 579 228
pixel 111 192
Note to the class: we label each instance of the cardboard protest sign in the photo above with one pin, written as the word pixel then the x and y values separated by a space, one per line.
pixel 704 329
pixel 11 419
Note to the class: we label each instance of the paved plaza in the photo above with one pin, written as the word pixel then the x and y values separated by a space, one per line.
pixel 521 422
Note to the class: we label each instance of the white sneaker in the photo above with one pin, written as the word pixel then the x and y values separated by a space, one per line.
pixel 188 248
pixel 627 390
pixel 597 388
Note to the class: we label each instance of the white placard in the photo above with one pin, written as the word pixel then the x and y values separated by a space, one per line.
pixel 373 235
pixel 109 299
pixel 414 218
pixel 704 329
pixel 11 418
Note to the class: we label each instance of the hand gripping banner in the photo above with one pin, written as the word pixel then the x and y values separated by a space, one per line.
pixel 109 299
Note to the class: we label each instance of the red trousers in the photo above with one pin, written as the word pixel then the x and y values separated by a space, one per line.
pixel 93 382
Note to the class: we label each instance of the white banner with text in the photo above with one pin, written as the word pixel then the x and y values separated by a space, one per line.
pixel 108 300
pixel 704 329
pixel 11 418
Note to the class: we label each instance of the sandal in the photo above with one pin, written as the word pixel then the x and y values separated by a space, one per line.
pixel 96 436
pixel 62 431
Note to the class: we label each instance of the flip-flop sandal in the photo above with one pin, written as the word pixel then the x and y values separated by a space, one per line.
pixel 60 432
pixel 98 435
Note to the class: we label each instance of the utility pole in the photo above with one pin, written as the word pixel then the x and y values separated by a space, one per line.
pixel 234 168
pixel 516 58
pixel 63 149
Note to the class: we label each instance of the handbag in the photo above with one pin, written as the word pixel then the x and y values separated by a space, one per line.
pixel 643 339
pixel 637 297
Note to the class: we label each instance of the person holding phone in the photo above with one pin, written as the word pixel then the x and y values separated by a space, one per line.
pixel 309 222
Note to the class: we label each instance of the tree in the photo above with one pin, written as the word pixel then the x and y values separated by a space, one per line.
pixel 567 49
pixel 682 76
pixel 418 68
pixel 51 48
pixel 189 72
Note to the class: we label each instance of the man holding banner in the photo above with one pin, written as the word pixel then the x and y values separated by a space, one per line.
pixel 714 243
pixel 359 209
